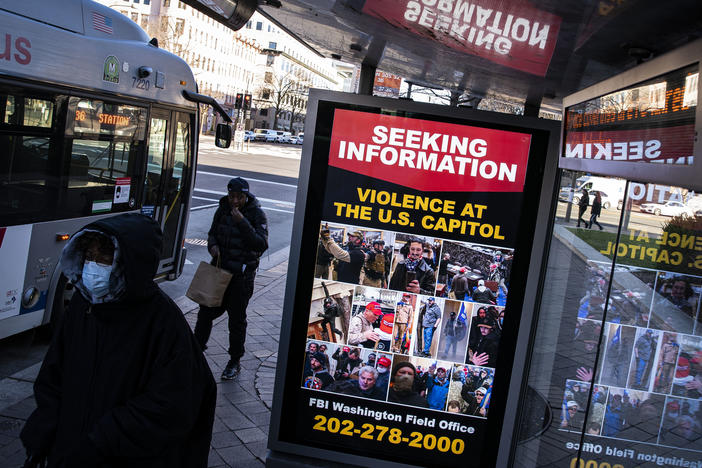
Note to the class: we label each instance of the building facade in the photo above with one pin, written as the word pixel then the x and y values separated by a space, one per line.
pixel 286 72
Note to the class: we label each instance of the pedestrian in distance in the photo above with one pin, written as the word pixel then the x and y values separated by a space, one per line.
pixel 595 211
pixel 124 383
pixel 236 240
pixel 582 207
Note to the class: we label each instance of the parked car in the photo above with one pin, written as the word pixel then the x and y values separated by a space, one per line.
pixel 293 139
pixel 606 199
pixel 300 139
pixel 284 137
pixel 265 134
pixel 248 135
pixel 670 208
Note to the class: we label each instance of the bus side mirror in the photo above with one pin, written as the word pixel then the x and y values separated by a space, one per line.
pixel 223 136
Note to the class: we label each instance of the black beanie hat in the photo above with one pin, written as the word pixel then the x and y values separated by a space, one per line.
pixel 237 184
pixel 402 364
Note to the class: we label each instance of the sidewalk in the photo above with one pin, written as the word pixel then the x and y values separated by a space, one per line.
pixel 243 405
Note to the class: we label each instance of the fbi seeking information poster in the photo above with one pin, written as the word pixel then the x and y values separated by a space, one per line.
pixel 411 279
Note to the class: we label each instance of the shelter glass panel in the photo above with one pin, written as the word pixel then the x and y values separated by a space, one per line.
pixel 616 374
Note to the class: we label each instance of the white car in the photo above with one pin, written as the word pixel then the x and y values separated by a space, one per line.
pixel 283 137
pixel 300 139
pixel 670 208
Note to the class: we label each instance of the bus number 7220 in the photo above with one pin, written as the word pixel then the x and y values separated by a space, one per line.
pixel 140 83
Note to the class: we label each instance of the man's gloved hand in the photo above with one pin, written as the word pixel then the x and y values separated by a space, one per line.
pixel 214 251
pixel 34 461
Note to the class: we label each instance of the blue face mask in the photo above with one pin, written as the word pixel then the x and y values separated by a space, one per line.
pixel 96 278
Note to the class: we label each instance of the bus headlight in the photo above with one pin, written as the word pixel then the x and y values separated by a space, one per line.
pixel 30 297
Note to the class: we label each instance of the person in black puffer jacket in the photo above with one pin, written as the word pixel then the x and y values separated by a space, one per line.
pixel 124 383
pixel 237 239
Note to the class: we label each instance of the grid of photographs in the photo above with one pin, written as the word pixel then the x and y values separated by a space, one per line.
pixel 406 319
pixel 649 381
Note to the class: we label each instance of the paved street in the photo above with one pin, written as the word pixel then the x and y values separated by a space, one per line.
pixel 243 405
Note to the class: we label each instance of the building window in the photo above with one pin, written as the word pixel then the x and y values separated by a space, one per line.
pixel 166 3
pixel 144 21
pixel 266 94
pixel 259 26
pixel 147 2
pixel 268 78
pixel 179 26
pixel 264 111
pixel 248 25
pixel 136 1
pixel 272 45
pixel 135 17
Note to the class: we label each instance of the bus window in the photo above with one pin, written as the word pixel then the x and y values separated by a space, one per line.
pixel 102 157
pixel 98 173
pixel 154 166
pixel 176 184
pixel 181 152
pixel 27 179
pixel 36 112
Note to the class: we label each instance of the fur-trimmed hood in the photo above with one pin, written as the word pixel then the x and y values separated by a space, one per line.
pixel 137 239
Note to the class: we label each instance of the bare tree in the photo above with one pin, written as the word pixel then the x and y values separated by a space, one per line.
pixel 284 93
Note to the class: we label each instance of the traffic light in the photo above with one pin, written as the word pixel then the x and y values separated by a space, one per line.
pixel 239 98
pixel 247 102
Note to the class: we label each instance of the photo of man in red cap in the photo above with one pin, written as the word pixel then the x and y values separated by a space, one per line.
pixel 459 284
pixel 383 367
pixel 361 330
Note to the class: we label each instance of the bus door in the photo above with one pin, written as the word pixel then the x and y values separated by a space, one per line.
pixel 166 190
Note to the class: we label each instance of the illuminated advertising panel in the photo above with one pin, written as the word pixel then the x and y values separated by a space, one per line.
pixel 651 122
pixel 403 295
pixel 513 34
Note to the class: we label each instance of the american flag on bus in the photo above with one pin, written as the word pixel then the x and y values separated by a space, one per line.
pixel 102 23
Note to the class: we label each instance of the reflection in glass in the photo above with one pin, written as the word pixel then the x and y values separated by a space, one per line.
pixel 639 319
pixel 650 122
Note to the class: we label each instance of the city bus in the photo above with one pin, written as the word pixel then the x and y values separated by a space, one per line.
pixel 95 120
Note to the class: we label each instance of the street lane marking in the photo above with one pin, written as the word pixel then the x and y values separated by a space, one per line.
pixel 276 209
pixel 217 204
pixel 269 200
pixel 229 176
pixel 196 208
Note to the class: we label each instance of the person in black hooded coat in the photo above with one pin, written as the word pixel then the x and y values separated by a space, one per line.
pixel 124 384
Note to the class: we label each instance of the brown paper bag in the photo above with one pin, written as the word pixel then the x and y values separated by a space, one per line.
pixel 208 285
